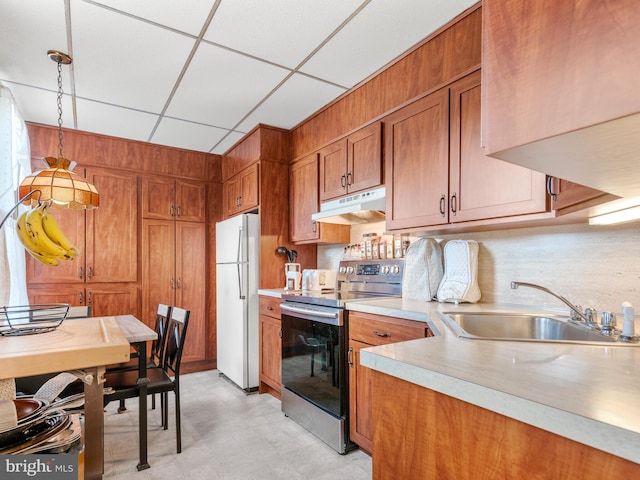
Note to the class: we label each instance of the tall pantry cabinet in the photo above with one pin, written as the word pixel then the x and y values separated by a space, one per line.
pixel 174 254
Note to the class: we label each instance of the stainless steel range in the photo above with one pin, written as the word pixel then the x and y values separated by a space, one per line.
pixel 315 383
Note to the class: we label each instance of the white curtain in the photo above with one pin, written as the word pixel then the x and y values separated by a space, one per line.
pixel 15 164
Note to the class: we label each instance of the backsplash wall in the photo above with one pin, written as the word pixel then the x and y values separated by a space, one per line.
pixel 592 266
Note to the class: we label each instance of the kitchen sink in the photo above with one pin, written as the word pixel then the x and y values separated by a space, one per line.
pixel 524 327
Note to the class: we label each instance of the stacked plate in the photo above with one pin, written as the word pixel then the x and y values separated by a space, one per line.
pixel 41 429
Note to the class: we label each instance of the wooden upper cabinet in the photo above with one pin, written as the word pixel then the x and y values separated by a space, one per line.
pixel 190 201
pixel 417 162
pixel 242 191
pixel 351 164
pixel 106 236
pixel 165 198
pixel 569 197
pixel 482 187
pixel 559 93
pixel 112 229
pixel 303 202
pixel 303 199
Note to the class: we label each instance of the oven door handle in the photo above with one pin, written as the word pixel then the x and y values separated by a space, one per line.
pixel 306 311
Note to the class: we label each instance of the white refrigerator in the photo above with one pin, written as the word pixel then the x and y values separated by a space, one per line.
pixel 237 247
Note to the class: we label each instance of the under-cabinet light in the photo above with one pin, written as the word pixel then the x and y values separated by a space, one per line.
pixel 619 216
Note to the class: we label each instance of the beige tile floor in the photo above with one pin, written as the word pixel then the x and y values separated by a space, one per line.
pixel 226 435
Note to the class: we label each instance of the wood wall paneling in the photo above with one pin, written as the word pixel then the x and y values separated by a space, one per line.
pixel 449 53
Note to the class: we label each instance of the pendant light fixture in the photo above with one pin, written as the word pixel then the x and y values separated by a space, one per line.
pixel 58 185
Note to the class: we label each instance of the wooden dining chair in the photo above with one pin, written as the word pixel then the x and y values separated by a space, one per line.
pixel 156 354
pixel 163 379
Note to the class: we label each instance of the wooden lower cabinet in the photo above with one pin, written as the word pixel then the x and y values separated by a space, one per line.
pixel 104 298
pixel 420 433
pixel 366 330
pixel 270 376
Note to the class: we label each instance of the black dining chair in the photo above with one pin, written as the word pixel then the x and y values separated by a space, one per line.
pixel 156 353
pixel 163 379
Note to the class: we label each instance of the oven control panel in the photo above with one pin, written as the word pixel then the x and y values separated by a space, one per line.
pixel 382 271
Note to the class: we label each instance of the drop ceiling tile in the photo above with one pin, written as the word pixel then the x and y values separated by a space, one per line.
pixel 355 53
pixel 41 106
pixel 191 136
pixel 227 142
pixel 28 29
pixel 220 87
pixel 188 17
pixel 295 100
pixel 280 31
pixel 114 121
pixel 123 61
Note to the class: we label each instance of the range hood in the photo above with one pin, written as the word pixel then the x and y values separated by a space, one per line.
pixel 362 207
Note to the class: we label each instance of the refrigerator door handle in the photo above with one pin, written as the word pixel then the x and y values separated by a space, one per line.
pixel 241 295
pixel 238 256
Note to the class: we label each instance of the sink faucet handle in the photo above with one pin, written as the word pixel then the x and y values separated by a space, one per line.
pixel 574 315
pixel 608 323
pixel 591 315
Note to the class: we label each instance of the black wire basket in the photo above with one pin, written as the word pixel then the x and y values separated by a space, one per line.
pixel 32 319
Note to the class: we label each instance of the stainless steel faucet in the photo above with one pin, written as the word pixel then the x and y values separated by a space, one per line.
pixel 588 316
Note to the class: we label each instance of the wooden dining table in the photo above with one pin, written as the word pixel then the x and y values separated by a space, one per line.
pixel 84 346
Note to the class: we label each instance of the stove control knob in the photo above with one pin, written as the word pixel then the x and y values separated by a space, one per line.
pixel 342 270
pixel 395 270
pixel 349 270
pixel 385 270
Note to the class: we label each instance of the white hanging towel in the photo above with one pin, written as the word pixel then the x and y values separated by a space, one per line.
pixel 422 270
pixel 460 281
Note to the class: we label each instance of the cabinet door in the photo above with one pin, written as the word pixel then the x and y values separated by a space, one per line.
pixel 112 229
pixel 191 255
pixel 303 198
pixel 158 197
pixel 482 187
pixel 360 407
pixel 112 299
pixel 333 165
pixel 364 159
pixel 158 267
pixel 190 201
pixel 62 293
pixel 231 196
pixel 72 224
pixel 417 163
pixel 249 188
pixel 270 355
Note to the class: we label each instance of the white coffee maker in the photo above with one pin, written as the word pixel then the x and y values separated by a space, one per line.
pixel 293 276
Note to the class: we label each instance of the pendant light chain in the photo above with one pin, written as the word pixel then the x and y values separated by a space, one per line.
pixel 60 108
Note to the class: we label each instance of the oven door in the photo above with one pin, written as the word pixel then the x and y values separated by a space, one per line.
pixel 313 355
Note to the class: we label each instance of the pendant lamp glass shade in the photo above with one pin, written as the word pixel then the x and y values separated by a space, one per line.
pixel 59 186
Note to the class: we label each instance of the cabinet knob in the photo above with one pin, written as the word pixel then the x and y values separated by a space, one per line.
pixel 442 205
pixel 349 359
pixel 80 275
pixel 343 181
pixel 349 177
pixel 89 272
pixel 179 211
pixel 453 203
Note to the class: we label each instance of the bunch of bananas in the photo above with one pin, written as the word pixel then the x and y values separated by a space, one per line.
pixel 42 238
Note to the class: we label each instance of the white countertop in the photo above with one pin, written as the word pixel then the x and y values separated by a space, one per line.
pixel 590 394
pixel 272 292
